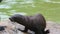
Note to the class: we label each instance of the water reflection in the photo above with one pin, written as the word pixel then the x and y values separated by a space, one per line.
pixel 23 2
pixel 15 12
pixel 5 6
pixel 31 2
pixel 8 3
pixel 9 0
pixel 26 1
pixel 51 1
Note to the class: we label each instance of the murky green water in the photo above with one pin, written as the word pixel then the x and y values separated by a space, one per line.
pixel 49 8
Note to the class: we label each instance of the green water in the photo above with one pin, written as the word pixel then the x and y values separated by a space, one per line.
pixel 50 10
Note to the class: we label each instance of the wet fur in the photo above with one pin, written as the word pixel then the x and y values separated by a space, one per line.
pixel 34 23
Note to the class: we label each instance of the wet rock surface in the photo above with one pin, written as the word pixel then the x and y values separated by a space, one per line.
pixel 12 28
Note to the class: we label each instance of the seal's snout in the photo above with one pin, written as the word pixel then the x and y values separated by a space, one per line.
pixel 10 19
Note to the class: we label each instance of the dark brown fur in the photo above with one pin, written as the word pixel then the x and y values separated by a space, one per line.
pixel 34 23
